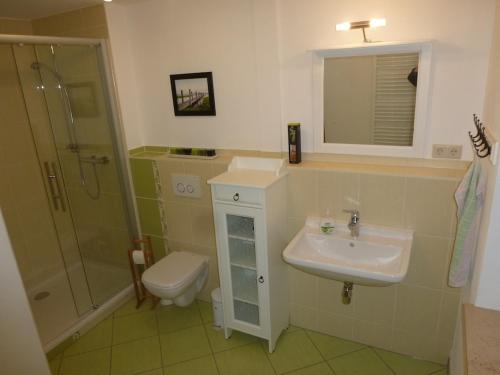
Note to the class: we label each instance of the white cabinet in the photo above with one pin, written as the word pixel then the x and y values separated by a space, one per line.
pixel 250 221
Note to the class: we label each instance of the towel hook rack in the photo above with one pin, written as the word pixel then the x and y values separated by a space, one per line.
pixel 483 141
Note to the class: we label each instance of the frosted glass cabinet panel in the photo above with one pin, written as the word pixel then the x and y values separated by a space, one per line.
pixel 250 223
pixel 242 258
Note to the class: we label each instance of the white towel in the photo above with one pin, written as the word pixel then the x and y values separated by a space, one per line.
pixel 470 198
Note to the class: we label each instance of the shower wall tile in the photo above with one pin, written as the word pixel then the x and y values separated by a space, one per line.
pixel 88 22
pixel 12 26
pixel 416 317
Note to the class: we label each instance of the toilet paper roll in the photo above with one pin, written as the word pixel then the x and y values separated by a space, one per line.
pixel 138 257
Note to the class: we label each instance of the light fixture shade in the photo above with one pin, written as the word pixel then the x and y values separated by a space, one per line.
pixel 343 26
pixel 377 22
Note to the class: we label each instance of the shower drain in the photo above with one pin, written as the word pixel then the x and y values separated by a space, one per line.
pixel 41 295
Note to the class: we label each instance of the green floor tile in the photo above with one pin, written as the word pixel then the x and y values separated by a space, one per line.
pixel 362 362
pixel 143 178
pixel 331 347
pixel 205 366
pixel 95 363
pixel 54 365
pixel 246 360
pixel 158 371
pixel 442 372
pixel 136 356
pixel 404 365
pixel 135 326
pixel 219 343
pixel 173 318
pixel 184 345
pixel 129 308
pixel 319 369
pixel 205 311
pixel 291 329
pixel 293 351
pixel 98 337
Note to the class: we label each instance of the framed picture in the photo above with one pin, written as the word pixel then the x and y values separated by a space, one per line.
pixel 193 94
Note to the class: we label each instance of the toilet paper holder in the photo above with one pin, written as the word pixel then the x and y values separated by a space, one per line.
pixel 141 257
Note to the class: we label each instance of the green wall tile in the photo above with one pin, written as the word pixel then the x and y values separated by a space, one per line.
pixel 149 216
pixel 143 178
pixel 156 148
pixel 135 151
pixel 158 244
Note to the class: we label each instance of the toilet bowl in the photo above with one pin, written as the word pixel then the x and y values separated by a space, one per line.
pixel 177 278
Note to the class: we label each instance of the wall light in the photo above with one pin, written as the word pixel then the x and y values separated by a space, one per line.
pixel 374 22
pixel 108 1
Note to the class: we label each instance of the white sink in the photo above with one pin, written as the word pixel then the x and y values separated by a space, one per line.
pixel 378 257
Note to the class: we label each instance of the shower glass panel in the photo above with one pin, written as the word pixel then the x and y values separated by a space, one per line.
pixel 64 193
pixel 80 121
pixel 26 209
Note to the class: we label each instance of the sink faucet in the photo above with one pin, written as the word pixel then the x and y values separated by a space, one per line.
pixel 353 223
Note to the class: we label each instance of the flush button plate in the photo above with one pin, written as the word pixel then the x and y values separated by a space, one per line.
pixel 186 185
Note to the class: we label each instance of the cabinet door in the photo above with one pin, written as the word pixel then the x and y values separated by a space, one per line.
pixel 241 247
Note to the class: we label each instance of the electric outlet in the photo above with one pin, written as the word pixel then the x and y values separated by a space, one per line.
pixel 447 151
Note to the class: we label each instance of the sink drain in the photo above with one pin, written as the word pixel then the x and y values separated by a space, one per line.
pixel 41 295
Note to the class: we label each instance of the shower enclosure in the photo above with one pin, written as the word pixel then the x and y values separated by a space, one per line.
pixel 64 188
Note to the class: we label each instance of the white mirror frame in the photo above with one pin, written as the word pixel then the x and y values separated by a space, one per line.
pixel 424 49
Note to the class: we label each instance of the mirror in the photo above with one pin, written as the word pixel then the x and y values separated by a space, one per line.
pixel 370 99
pixel 365 103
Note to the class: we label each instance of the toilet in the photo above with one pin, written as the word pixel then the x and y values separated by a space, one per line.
pixel 177 278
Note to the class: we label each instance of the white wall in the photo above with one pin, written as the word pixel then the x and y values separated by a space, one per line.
pixel 461 29
pixel 21 351
pixel 257 50
pixel 485 289
pixel 233 39
pixel 124 73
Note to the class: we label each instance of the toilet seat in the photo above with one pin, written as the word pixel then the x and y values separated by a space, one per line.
pixel 175 271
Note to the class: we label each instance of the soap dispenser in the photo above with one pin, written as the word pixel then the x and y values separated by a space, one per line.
pixel 327 224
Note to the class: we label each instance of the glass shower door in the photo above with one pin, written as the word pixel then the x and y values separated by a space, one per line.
pixel 87 152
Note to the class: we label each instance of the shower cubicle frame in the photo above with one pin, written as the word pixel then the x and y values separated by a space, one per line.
pixel 117 132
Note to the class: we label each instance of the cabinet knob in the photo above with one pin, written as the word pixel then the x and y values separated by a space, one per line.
pixel 236 197
pixel 261 279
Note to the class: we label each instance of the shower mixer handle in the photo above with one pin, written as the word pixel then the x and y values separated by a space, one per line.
pixel 54 186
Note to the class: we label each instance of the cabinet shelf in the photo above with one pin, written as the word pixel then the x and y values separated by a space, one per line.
pixel 244 282
pixel 243 265
pixel 242 238
pixel 246 312
pixel 242 253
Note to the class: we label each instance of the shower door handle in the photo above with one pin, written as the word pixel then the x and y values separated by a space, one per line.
pixel 54 186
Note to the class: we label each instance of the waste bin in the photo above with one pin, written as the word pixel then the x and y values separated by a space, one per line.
pixel 217 308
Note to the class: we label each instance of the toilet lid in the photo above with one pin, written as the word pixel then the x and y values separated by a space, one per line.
pixel 176 269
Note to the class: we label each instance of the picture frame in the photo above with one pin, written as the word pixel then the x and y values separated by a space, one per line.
pixel 193 94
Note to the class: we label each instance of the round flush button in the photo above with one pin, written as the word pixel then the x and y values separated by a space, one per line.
pixel 180 187
pixel 189 189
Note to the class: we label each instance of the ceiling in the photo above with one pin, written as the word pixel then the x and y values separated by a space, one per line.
pixel 30 9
